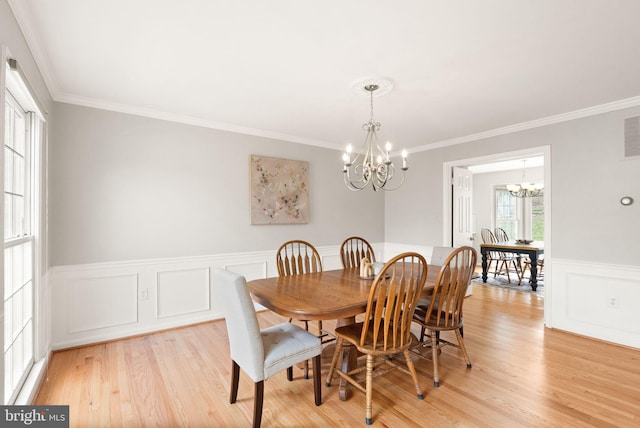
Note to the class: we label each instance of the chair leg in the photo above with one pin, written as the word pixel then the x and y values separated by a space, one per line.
pixel 235 378
pixel 257 404
pixel 369 390
pixel 334 361
pixel 306 362
pixel 516 268
pixel 434 357
pixel 289 374
pixel 495 272
pixel 414 375
pixel 463 348
pixel 522 271
pixel 317 389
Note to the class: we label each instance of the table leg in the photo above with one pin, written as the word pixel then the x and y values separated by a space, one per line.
pixel 349 361
pixel 533 280
pixel 484 265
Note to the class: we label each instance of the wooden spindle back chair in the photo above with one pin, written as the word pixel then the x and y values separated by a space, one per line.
pixel 353 250
pixel 386 326
pixel 444 312
pixel 503 261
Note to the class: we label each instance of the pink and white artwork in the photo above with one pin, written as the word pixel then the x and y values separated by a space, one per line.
pixel 279 191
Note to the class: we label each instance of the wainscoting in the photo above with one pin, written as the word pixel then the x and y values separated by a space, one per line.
pixel 99 302
pixel 596 300
pixel 106 301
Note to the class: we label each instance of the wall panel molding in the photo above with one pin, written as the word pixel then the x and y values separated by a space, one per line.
pixel 182 291
pixel 596 300
pixel 100 301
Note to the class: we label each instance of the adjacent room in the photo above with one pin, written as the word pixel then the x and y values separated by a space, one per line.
pixel 273 213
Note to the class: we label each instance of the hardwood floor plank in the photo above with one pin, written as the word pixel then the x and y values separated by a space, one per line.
pixel 523 375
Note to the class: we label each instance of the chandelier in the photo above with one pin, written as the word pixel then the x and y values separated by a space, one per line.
pixel 525 189
pixel 373 165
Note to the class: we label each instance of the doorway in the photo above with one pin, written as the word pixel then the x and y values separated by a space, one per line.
pixel 450 221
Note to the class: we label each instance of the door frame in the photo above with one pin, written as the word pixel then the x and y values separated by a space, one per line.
pixel 447 197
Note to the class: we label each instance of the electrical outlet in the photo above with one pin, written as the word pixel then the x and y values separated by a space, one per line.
pixel 144 294
pixel 613 302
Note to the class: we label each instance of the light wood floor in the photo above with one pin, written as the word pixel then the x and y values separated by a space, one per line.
pixel 522 375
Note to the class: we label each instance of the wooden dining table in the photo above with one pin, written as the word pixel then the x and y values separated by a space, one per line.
pixel 329 295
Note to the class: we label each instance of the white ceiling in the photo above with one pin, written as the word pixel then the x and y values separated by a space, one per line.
pixel 284 68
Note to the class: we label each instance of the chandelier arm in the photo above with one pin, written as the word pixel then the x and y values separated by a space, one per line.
pixel 388 189
pixel 351 185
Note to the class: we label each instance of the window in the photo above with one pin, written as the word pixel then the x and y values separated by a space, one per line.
pixel 537 218
pixel 22 137
pixel 18 251
pixel 521 218
pixel 506 212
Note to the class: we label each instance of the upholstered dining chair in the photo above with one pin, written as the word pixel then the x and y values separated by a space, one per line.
pixel 444 311
pixel 261 354
pixel 299 257
pixel 353 250
pixel 439 255
pixel 386 326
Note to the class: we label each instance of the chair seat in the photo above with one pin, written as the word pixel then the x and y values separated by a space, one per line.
pixel 351 333
pixel 446 321
pixel 279 342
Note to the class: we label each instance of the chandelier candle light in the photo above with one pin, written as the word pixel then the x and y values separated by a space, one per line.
pixel 525 189
pixel 372 166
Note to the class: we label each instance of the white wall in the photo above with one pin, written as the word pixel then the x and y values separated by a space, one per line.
pixel 125 187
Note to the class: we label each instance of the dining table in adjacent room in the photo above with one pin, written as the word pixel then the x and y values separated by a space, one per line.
pixel 338 295
pixel 533 249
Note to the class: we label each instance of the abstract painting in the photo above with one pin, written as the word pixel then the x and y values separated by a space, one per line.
pixel 279 191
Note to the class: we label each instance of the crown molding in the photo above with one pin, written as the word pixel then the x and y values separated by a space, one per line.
pixel 189 120
pixel 545 121
pixel 195 121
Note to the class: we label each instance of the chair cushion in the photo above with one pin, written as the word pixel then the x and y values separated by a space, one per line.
pixel 287 344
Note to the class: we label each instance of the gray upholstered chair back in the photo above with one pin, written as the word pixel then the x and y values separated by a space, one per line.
pixel 245 340
pixel 439 255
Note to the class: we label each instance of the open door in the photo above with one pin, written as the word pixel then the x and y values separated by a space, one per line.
pixel 462 230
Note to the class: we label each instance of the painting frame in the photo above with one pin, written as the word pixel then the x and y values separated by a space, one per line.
pixel 279 190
